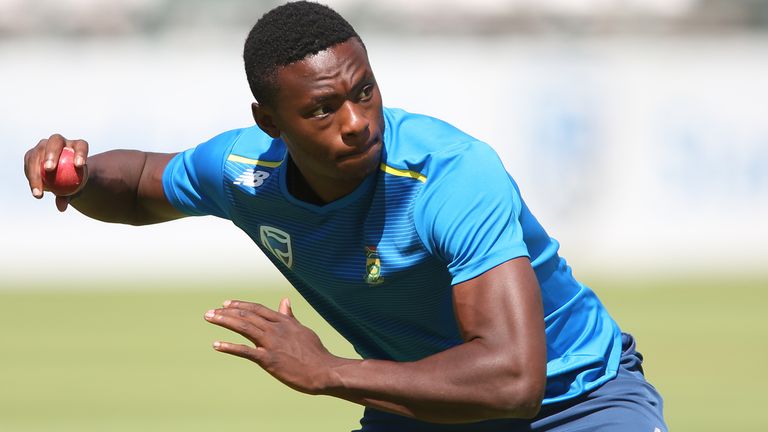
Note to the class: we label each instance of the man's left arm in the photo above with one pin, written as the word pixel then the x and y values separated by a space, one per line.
pixel 498 372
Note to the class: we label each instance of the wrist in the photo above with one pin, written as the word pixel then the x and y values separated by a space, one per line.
pixel 332 382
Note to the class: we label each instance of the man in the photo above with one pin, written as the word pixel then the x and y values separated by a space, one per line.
pixel 406 234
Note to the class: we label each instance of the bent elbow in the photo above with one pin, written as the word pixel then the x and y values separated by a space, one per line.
pixel 528 408
pixel 522 398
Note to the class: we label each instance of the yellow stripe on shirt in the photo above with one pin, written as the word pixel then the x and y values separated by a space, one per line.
pixel 268 164
pixel 403 173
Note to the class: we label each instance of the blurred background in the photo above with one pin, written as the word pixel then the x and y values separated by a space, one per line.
pixel 636 129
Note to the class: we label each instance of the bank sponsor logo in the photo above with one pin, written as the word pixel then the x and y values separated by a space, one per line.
pixel 277 242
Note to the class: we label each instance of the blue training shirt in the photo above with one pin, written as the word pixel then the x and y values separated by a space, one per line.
pixel 379 264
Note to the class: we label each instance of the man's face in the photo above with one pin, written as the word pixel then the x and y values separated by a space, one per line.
pixel 328 111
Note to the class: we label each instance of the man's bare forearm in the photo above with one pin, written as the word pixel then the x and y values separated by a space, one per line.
pixel 125 186
pixel 466 383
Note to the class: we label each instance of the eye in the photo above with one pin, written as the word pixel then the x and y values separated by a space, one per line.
pixel 366 93
pixel 321 111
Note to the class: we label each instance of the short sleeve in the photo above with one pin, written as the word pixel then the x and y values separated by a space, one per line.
pixel 193 180
pixel 468 213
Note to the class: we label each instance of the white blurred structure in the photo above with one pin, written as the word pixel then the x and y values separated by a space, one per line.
pixel 641 154
pixel 84 17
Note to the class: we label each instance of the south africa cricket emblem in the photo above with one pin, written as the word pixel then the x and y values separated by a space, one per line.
pixel 372 266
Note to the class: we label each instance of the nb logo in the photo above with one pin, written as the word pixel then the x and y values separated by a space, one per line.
pixel 251 178
pixel 278 242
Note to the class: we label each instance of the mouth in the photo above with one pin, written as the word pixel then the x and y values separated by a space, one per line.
pixel 361 152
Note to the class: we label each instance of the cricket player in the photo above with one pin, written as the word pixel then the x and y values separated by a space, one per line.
pixel 406 234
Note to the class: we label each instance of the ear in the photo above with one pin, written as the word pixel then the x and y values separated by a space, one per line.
pixel 264 117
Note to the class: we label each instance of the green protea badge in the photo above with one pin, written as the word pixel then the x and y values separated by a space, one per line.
pixel 372 266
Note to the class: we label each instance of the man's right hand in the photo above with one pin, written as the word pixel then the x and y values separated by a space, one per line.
pixel 46 155
pixel 123 186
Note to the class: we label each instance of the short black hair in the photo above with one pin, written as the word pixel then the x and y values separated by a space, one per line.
pixel 288 34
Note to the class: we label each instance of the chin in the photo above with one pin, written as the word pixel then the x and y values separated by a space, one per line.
pixel 358 170
pixel 360 166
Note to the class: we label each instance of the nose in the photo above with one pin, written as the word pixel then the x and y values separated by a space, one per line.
pixel 354 123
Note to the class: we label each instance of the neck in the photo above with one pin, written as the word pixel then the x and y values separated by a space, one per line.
pixel 318 191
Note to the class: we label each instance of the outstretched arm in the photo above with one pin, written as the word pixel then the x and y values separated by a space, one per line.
pixel 122 186
pixel 498 372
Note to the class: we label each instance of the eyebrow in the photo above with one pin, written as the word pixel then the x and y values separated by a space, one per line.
pixel 323 95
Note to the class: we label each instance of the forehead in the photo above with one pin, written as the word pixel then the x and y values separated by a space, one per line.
pixel 337 65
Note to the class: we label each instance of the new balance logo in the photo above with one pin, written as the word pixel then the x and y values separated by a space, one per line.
pixel 251 178
pixel 278 242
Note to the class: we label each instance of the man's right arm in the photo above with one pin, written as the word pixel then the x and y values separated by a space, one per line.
pixel 121 186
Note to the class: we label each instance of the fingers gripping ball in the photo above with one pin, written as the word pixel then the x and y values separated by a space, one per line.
pixel 66 178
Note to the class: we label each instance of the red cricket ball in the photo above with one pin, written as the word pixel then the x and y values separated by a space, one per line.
pixel 66 178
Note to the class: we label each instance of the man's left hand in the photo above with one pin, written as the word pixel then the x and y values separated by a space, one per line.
pixel 284 348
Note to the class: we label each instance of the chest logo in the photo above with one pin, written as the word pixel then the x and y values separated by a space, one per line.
pixel 251 177
pixel 372 266
pixel 278 242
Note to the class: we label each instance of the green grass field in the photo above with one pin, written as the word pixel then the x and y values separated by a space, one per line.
pixel 123 360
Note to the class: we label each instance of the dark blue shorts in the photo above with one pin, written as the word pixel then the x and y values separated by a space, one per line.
pixel 627 403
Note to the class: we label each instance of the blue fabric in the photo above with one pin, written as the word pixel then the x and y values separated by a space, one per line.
pixel 469 214
pixel 192 180
pixel 627 403
pixel 379 264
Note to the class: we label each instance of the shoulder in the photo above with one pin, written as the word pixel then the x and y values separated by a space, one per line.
pixel 238 145
pixel 205 163
pixel 250 142
pixel 253 144
pixel 432 147
pixel 408 135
